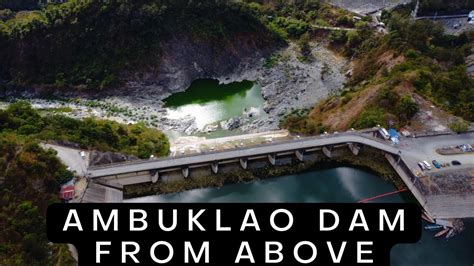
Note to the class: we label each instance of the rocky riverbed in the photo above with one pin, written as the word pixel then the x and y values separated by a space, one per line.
pixel 286 81
pixel 367 6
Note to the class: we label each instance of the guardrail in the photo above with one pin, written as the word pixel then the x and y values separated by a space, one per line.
pixel 444 133
pixel 301 139
pixel 302 144
pixel 442 17
pixel 360 137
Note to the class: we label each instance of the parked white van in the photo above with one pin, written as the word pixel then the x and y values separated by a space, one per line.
pixel 427 165
pixel 384 133
pixel 470 17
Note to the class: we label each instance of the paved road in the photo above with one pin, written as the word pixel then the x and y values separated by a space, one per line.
pixel 424 148
pixel 300 144
pixel 442 17
pixel 412 150
pixel 71 158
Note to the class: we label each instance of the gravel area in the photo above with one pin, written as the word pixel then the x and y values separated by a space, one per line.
pixel 366 6
pixel 460 182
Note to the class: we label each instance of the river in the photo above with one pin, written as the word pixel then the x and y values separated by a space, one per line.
pixel 342 184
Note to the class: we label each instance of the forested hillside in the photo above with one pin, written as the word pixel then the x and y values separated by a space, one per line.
pixel 89 42
pixel 29 182
pixel 25 122
pixel 30 177
pixel 92 44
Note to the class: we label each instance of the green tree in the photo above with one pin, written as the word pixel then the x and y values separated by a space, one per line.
pixel 353 39
pixel 345 21
pixel 338 37
pixel 407 108
pixel 303 44
pixel 459 126
pixel 369 118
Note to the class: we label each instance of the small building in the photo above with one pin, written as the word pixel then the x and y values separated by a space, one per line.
pixel 67 192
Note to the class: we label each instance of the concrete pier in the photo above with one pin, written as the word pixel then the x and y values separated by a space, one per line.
pixel 215 168
pixel 299 155
pixel 272 159
pixel 243 163
pixel 355 148
pixel 185 172
pixel 155 176
pixel 327 151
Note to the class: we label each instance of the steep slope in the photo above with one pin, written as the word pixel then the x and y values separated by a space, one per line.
pixel 91 44
pixel 414 77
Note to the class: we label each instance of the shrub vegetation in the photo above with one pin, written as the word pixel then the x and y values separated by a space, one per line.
pixel 21 119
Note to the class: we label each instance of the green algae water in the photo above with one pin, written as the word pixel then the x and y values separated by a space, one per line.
pixel 203 91
pixel 342 184
pixel 210 102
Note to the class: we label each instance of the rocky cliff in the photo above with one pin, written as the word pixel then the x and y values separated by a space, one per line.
pixel 186 58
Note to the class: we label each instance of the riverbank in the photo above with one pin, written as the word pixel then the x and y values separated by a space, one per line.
pixel 368 159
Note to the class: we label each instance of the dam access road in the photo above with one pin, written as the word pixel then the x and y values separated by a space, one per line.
pixel 447 192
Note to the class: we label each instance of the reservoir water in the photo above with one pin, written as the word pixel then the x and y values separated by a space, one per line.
pixel 211 103
pixel 342 184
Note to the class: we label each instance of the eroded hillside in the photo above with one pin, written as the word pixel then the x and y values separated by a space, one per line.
pixel 414 77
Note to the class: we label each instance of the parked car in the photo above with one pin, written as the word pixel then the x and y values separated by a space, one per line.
pixel 470 18
pixel 427 165
pixel 83 154
pixel 422 166
pixel 455 162
pixel 436 164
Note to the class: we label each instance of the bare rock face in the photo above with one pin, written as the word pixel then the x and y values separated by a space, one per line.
pixel 185 59
pixel 100 158
pixel 232 124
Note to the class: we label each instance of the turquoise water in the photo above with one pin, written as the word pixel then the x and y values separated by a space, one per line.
pixel 342 184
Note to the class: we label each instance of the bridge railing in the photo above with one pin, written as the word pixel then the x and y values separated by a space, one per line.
pixel 362 133
pixel 365 134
